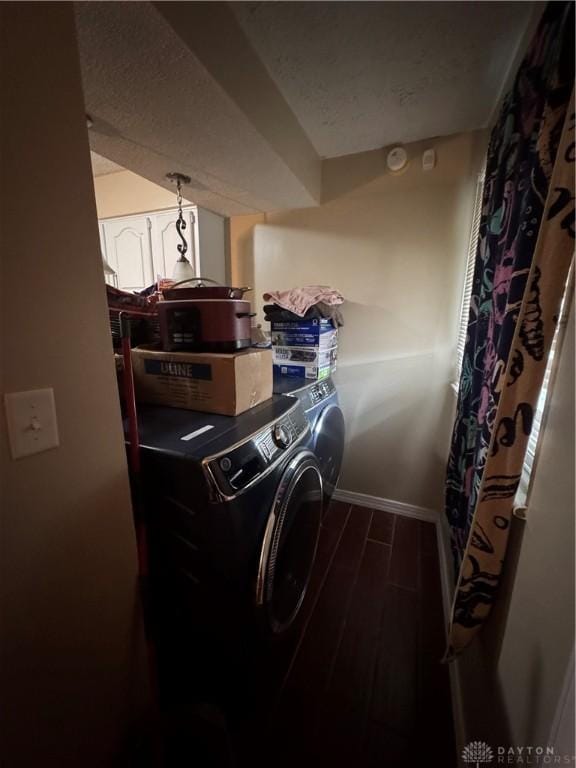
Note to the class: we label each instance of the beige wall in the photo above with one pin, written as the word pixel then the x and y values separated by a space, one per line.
pixel 241 245
pixel 396 246
pixel 72 676
pixel 212 246
pixel 124 193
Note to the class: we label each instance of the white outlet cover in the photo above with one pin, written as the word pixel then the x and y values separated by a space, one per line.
pixel 32 424
pixel 428 160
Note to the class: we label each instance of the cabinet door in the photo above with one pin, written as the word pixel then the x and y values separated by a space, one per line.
pixel 110 277
pixel 128 251
pixel 165 240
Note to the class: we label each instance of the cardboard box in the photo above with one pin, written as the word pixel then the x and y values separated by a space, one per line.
pixel 304 356
pixel 304 333
pixel 305 349
pixel 321 367
pixel 307 373
pixel 215 383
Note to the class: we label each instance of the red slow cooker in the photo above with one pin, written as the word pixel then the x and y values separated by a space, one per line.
pixel 204 319
pixel 201 291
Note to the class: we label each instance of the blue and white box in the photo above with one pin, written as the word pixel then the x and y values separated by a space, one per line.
pixel 304 349
pixel 304 333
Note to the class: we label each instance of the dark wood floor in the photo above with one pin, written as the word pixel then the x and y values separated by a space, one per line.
pixel 358 681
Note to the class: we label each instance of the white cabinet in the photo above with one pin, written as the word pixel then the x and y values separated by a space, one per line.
pixel 127 249
pixel 141 248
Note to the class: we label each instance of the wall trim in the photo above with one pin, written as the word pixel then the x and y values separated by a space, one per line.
pixel 429 515
pixel 388 505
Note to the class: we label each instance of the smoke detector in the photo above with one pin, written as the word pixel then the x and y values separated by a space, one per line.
pixel 396 159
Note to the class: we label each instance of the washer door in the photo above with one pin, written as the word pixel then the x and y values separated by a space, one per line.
pixel 329 432
pixel 290 542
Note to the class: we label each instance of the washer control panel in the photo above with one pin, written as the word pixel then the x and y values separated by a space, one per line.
pixel 238 468
pixel 273 441
pixel 316 393
pixel 282 437
pixel 321 391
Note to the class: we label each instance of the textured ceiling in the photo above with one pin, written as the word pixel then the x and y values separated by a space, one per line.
pixel 361 75
pixel 156 108
pixel 247 98
pixel 101 165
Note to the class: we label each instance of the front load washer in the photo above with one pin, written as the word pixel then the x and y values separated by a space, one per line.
pixel 233 506
pixel 320 403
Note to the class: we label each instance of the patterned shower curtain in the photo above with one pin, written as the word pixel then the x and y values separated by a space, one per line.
pixel 524 253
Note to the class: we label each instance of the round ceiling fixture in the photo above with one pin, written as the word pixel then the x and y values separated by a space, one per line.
pixel 396 159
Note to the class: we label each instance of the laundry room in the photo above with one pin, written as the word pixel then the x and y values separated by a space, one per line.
pixel 288 384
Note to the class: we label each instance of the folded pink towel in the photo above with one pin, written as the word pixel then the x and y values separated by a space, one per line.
pixel 299 300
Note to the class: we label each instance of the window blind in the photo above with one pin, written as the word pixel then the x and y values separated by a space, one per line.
pixel 469 275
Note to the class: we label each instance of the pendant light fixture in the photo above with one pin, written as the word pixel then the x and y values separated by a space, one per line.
pixel 183 270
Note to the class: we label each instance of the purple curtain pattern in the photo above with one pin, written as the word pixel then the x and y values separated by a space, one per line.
pixel 521 157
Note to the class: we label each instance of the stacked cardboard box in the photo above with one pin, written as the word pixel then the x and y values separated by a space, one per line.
pixel 304 349
pixel 203 381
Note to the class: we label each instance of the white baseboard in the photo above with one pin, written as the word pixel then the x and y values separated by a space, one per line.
pixel 446 578
pixel 388 505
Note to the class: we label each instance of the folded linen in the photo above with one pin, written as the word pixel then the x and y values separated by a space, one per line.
pixel 274 313
pixel 299 300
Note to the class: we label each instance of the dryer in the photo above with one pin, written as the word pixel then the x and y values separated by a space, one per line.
pixel 233 506
pixel 319 401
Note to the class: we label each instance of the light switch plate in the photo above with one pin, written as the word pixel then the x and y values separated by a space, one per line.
pixel 32 424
